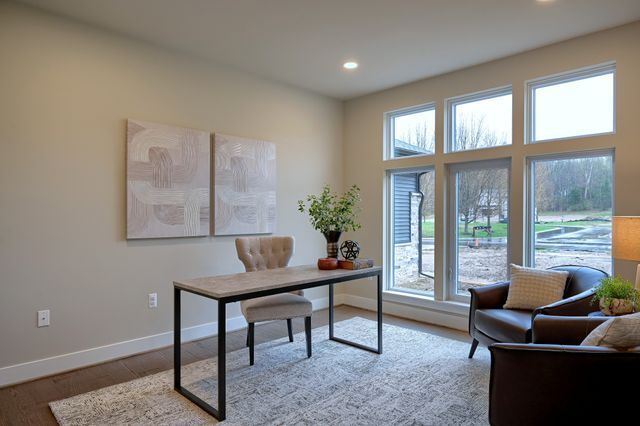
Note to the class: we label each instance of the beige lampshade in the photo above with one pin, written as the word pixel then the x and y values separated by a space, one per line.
pixel 626 237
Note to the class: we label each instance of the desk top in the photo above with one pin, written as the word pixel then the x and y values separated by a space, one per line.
pixel 233 285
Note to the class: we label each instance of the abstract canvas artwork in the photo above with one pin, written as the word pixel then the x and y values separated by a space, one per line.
pixel 245 186
pixel 168 181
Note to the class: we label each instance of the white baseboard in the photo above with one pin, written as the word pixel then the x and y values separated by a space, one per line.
pixel 451 320
pixel 60 363
pixel 31 370
pixel 323 303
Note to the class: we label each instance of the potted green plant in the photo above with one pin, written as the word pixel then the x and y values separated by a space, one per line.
pixel 332 214
pixel 616 296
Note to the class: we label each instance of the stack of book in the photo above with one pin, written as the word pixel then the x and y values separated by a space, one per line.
pixel 355 264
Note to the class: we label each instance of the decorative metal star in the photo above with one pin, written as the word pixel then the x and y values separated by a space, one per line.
pixel 350 250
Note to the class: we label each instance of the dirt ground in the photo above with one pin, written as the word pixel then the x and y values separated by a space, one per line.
pixel 484 266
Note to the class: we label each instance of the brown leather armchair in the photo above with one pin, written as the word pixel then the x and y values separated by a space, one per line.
pixel 556 381
pixel 489 323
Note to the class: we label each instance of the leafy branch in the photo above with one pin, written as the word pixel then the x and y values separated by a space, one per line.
pixel 330 212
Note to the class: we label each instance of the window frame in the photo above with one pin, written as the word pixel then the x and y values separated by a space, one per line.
pixel 560 78
pixel 389 237
pixel 450 117
pixel 530 195
pixel 451 283
pixel 515 156
pixel 389 129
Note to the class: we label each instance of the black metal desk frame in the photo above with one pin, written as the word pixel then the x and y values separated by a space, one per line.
pixel 220 412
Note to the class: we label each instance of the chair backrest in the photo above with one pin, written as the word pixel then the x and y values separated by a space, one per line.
pixel 258 253
pixel 581 278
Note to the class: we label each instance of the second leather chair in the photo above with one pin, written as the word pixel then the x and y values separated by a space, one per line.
pixel 489 323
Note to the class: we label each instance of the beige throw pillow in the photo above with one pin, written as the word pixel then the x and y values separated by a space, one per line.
pixel 531 288
pixel 619 332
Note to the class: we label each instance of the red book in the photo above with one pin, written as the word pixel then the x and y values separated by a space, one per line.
pixel 355 264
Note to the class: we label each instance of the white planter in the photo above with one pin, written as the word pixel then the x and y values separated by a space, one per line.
pixel 615 307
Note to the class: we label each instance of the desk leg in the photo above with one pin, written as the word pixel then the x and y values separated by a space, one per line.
pixel 377 350
pixel 220 413
pixel 176 338
pixel 222 361
pixel 330 311
pixel 379 313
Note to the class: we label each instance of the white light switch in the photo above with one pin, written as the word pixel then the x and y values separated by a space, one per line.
pixel 43 318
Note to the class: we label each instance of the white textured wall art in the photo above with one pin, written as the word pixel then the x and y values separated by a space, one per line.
pixel 245 186
pixel 168 181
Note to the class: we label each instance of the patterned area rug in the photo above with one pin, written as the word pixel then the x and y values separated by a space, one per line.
pixel 419 379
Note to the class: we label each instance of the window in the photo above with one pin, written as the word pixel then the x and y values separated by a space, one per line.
pixel 570 211
pixel 576 104
pixel 480 120
pixel 411 132
pixel 568 186
pixel 412 254
pixel 479 225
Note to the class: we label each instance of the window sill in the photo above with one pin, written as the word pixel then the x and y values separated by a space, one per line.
pixel 565 138
pixel 426 154
pixel 408 244
pixel 428 302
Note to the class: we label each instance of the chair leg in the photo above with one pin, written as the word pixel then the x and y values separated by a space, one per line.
pixel 247 336
pixel 474 346
pixel 251 335
pixel 290 330
pixel 307 332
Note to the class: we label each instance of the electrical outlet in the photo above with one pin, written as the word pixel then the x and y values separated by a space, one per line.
pixel 153 300
pixel 43 318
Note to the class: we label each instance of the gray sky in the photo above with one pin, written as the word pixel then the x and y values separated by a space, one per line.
pixel 575 108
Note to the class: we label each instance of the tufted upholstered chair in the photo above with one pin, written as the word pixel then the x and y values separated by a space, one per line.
pixel 259 253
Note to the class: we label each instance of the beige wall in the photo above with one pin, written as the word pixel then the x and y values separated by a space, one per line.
pixel 66 90
pixel 363 133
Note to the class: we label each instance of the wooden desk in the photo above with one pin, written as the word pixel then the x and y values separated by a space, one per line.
pixel 248 285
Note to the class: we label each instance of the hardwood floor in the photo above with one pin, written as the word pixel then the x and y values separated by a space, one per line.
pixel 26 404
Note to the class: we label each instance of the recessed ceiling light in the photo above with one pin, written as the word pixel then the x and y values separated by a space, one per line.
pixel 350 65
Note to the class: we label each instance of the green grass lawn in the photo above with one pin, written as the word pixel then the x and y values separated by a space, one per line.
pixel 586 213
pixel 582 223
pixel 501 229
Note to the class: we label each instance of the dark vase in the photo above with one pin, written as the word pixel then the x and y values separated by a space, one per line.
pixel 332 242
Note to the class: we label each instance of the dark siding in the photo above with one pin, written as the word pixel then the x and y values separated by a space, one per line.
pixel 403 186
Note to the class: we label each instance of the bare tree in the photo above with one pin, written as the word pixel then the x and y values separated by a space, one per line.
pixel 479 191
pixel 427 188
pixel 421 134
pixel 573 184
pixel 472 186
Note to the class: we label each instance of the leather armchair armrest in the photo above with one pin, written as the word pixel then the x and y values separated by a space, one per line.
pixel 577 305
pixel 547 384
pixel 542 349
pixel 563 330
pixel 490 296
pixel 487 297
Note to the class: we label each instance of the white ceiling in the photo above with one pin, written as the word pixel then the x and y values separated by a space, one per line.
pixel 305 42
